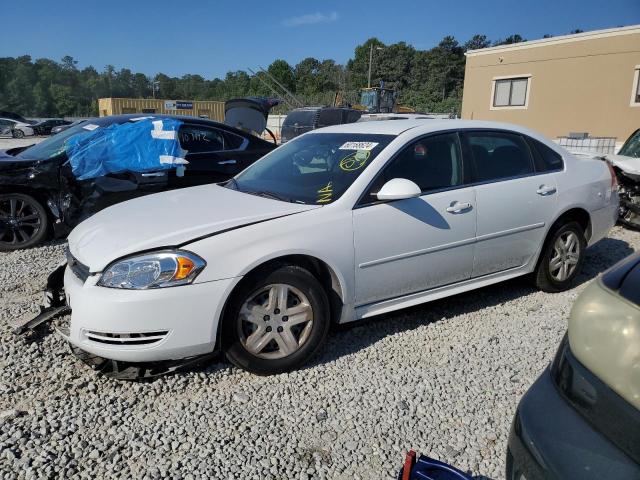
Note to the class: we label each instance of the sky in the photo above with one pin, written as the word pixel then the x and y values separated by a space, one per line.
pixel 210 38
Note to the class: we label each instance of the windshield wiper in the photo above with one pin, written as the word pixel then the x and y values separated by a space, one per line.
pixel 271 195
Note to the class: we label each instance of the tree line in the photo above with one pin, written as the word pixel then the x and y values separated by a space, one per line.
pixel 428 80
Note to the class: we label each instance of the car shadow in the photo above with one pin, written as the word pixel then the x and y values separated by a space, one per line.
pixel 420 209
pixel 351 337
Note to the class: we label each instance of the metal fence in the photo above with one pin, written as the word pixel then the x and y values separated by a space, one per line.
pixel 589 144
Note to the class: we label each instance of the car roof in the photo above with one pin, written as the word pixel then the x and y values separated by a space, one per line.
pixel 397 127
pixel 111 119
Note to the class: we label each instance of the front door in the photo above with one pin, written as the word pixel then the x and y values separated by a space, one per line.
pixel 411 245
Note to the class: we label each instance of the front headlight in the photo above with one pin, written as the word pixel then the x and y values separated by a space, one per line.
pixel 153 270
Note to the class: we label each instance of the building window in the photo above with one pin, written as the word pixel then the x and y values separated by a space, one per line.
pixel 635 93
pixel 510 92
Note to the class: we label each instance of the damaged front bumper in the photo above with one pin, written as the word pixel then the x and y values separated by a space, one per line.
pixel 56 304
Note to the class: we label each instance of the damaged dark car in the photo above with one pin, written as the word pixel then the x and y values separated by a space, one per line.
pixel 41 197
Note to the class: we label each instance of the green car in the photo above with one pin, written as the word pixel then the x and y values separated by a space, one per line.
pixel 581 418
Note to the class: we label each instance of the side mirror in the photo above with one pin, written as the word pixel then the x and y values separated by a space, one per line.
pixel 399 189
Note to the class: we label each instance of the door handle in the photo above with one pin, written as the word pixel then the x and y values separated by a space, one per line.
pixel 227 162
pixel 457 207
pixel 153 174
pixel 545 190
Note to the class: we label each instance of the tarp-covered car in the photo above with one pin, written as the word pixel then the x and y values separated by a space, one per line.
pixel 43 191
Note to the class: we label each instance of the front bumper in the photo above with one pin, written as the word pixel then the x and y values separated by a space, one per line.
pixel 144 325
pixel 550 440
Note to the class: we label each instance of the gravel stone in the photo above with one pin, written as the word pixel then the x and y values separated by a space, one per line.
pixel 9 414
pixel 241 397
pixel 442 378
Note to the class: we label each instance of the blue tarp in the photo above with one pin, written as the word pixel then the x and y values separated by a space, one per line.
pixel 138 146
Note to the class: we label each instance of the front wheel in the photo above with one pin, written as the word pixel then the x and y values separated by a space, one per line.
pixel 18 134
pixel 561 259
pixel 275 323
pixel 23 221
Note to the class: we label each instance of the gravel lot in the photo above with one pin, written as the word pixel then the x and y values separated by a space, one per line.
pixel 443 378
pixel 6 142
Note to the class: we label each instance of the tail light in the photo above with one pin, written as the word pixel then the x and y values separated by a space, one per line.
pixel 614 177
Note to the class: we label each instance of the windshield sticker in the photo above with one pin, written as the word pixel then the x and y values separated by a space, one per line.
pixel 358 146
pixel 325 194
pixel 91 127
pixel 355 161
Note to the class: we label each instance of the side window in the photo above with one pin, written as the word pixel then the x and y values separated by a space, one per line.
pixel 329 117
pixel 199 139
pixel 353 117
pixel 232 141
pixel 432 163
pixel 499 155
pixel 547 159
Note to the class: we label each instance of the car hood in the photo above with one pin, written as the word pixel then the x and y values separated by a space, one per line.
pixel 169 219
pixel 629 165
pixel 9 163
pixel 249 114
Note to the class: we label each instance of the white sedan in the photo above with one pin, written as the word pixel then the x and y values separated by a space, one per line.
pixel 340 224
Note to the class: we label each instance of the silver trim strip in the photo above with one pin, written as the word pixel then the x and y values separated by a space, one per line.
pixel 447 246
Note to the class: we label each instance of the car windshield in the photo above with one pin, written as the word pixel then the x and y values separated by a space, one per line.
pixel 53 146
pixel 313 169
pixel 631 147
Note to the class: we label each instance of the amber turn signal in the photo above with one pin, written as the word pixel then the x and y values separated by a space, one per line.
pixel 185 267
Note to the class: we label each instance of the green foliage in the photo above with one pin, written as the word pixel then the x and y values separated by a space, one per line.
pixel 427 80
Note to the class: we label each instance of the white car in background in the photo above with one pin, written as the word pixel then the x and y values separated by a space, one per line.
pixel 15 128
pixel 340 224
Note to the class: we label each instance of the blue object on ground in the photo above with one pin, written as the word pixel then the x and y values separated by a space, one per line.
pixel 426 468
pixel 144 145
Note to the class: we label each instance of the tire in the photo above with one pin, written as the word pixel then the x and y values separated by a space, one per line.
pixel 259 337
pixel 18 134
pixel 557 268
pixel 23 222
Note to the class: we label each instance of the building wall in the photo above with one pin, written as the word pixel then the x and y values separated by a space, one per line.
pixel 116 106
pixel 578 83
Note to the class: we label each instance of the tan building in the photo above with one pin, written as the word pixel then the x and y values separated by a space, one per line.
pixel 587 82
pixel 196 108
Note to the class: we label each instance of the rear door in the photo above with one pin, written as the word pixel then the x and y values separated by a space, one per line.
pixel 515 202
pixel 214 155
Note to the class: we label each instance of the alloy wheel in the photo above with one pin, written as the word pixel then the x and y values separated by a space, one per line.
pixel 275 321
pixel 565 257
pixel 19 221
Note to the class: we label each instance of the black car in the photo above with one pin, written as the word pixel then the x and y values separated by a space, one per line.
pixel 40 196
pixel 581 418
pixel 302 120
pixel 62 128
pixel 45 126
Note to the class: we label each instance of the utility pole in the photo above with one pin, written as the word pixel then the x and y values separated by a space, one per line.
pixel 370 62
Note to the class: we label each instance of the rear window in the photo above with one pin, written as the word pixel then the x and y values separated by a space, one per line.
pixel 547 160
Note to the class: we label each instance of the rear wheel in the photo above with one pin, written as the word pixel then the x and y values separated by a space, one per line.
pixel 562 258
pixel 23 221
pixel 277 322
